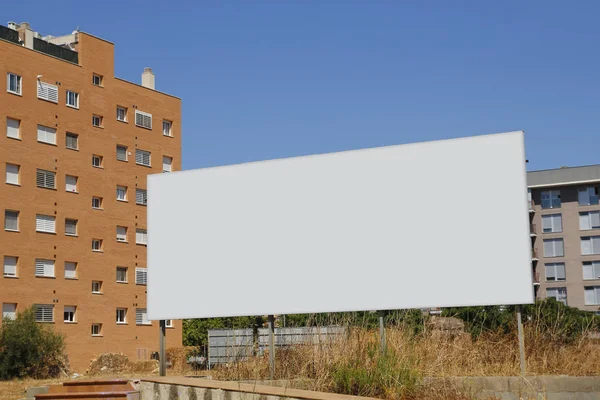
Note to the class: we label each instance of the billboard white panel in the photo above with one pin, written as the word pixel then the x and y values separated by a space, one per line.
pixel 429 224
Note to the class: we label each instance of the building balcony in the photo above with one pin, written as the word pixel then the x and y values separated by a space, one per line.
pixel 532 230
pixel 534 255
pixel 531 206
pixel 536 279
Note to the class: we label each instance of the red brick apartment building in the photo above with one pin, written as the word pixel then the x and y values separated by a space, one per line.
pixel 76 145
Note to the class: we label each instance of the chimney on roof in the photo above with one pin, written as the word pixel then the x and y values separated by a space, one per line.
pixel 148 78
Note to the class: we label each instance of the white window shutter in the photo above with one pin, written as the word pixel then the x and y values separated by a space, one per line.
pixel 141 236
pixel 47 92
pixel 167 164
pixel 141 196
pixel 143 119
pixel 141 276
pixel 71 184
pixel 10 266
pixel 121 233
pixel 70 270
pixel 590 296
pixel 586 246
pixel 44 267
pixel 584 221
pixel 12 174
pixel 9 310
pixel 46 134
pixel 45 223
pixel 588 271
pixel 12 128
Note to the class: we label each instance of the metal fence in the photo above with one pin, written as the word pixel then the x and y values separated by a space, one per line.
pixel 230 345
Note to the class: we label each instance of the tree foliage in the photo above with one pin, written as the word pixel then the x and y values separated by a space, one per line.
pixel 29 349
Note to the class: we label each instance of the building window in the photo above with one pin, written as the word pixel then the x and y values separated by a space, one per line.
pixel 122 274
pixel 70 270
pixel 141 317
pixel 143 119
pixel 45 223
pixel 10 266
pixel 167 128
pixel 70 227
pixel 555 272
pixel 554 248
pixel 121 114
pixel 142 157
pixel 589 220
pixel 552 223
pixel 44 268
pixel 141 197
pixel 46 134
pixel 122 193
pixel 96 286
pixel 96 244
pixel 69 314
pixel 121 315
pixel 592 295
pixel 141 276
pixel 97 120
pixel 13 128
pixel 588 196
pixel 558 293
pixel 71 183
pixel 591 270
pixel 9 310
pixel 121 153
pixel 97 80
pixel 11 220
pixel 167 164
pixel 97 161
pixel 590 245
pixel 13 83
pixel 141 236
pixel 72 99
pixel 12 174
pixel 47 92
pixel 97 203
pixel 169 323
pixel 121 234
pixel 44 313
pixel 46 179
pixel 96 329
pixel 72 141
pixel 551 199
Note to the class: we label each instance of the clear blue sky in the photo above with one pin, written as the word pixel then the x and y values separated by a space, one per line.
pixel 262 80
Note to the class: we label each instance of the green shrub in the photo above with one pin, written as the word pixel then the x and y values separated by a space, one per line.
pixel 29 349
pixel 375 374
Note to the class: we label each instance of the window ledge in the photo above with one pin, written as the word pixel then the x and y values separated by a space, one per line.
pixel 11 277
pixel 97 292
pixel 95 208
pixel 71 279
pixel 143 127
pixel 47 188
pixel 122 160
pixel 70 322
pixel 45 322
pixel 122 241
pixel 120 120
pixel 150 324
pixel 13 184
pixel 98 166
pixel 140 204
pixel 70 148
pixel 74 107
pixel 15 93
pixel 47 233
pixel 98 335
pixel 122 323
pixel 98 251
pixel 169 136
pixel 49 144
pixel 45 277
pixel 48 101
pixel 123 282
pixel 142 244
pixel 72 191
pixel 96 126
pixel 143 165
pixel 12 230
pixel 72 235
pixel 123 201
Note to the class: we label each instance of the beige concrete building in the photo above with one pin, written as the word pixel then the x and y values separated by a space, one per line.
pixel 76 145
pixel 565 234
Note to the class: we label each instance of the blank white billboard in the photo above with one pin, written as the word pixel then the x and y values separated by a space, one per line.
pixel 431 224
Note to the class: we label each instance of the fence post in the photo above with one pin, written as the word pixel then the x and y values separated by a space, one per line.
pixel 382 330
pixel 161 347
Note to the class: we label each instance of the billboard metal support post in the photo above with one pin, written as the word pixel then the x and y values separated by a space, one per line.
pixel 382 330
pixel 521 340
pixel 161 349
pixel 272 346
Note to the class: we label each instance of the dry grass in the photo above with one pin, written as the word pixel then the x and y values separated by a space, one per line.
pixel 354 365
